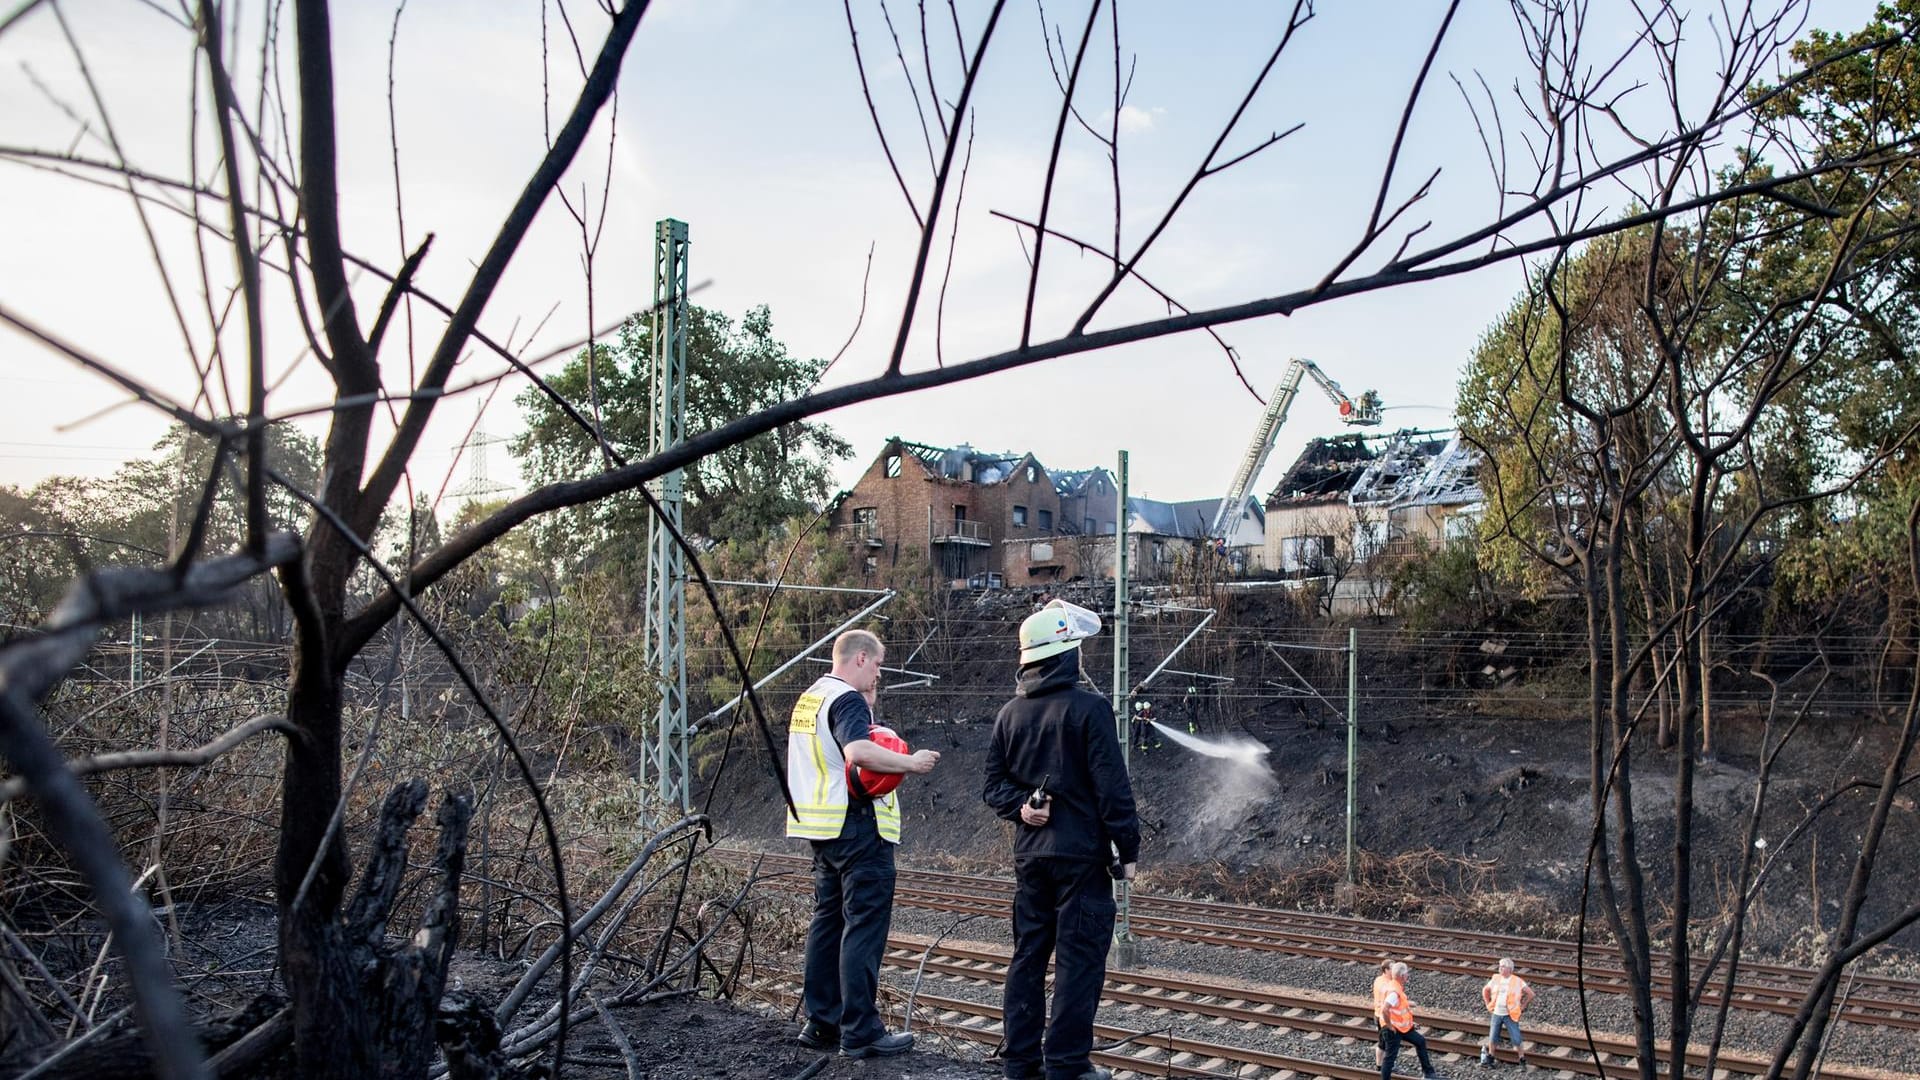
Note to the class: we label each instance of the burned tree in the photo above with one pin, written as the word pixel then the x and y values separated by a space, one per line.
pixel 277 207
pixel 1640 406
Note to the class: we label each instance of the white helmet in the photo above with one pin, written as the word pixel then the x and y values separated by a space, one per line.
pixel 1054 629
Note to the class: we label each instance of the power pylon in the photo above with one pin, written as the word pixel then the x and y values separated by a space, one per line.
pixel 478 485
pixel 665 637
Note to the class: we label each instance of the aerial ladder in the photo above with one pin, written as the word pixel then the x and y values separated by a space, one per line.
pixel 1362 413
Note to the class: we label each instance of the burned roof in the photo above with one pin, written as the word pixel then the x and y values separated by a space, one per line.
pixel 1071 482
pixel 963 462
pixel 1415 469
pixel 1326 469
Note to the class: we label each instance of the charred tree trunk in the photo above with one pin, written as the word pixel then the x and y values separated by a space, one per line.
pixel 362 1008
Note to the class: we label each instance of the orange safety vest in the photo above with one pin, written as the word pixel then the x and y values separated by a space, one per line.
pixel 1513 988
pixel 1397 1010
pixel 1380 984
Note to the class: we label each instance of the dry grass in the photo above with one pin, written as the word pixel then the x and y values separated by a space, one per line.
pixel 1427 887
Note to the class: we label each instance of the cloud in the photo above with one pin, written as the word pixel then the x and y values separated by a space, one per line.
pixel 1134 120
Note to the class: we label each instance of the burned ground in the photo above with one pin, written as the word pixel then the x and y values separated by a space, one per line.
pixel 1472 800
pixel 1473 810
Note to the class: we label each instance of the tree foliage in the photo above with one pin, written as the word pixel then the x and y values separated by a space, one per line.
pixel 739 493
pixel 67 526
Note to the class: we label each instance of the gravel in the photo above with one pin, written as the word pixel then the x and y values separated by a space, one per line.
pixel 1896 1052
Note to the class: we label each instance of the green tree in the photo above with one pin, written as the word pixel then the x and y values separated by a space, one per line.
pixel 741 492
pixel 1650 405
pixel 142 515
pixel 1863 403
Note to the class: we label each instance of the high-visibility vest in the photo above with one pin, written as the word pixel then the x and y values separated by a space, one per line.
pixel 1380 984
pixel 1506 993
pixel 817 770
pixel 1397 1009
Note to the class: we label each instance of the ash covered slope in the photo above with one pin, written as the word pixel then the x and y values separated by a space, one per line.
pixel 1471 806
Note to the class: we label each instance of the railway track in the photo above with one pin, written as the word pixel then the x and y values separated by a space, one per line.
pixel 1777 989
pixel 1227 1008
pixel 1141 1052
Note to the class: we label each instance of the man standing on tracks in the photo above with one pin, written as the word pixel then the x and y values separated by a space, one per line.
pixel 1054 768
pixel 853 837
pixel 1394 1010
pixel 1506 996
pixel 1380 983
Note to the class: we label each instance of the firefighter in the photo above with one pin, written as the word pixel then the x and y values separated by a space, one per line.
pixel 852 837
pixel 1054 768
pixel 1145 735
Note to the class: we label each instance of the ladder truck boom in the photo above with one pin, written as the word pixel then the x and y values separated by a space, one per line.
pixel 1362 413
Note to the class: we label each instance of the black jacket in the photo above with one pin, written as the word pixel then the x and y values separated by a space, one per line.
pixel 1055 732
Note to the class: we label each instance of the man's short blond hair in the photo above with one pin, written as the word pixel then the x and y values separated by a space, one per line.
pixel 856 643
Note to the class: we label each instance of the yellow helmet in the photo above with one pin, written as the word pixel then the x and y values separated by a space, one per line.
pixel 1054 629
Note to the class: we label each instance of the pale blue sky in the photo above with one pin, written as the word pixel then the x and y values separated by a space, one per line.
pixel 746 120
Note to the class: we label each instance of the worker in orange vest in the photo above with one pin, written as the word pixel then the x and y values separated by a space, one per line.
pixel 1380 984
pixel 1506 996
pixel 1394 1011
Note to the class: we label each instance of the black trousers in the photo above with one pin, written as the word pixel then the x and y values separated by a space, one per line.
pixel 1392 1048
pixel 1064 910
pixel 852 911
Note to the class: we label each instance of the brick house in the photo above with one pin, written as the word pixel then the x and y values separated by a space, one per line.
pixel 1088 499
pixel 956 506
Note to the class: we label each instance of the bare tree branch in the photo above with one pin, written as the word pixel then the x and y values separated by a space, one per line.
pixel 15 787
pixel 940 187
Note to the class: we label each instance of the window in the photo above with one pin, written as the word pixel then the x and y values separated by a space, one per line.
pixel 866 515
pixel 1087 527
pixel 959 512
pixel 1046 520
pixel 1306 553
pixel 1033 474
pixel 892 466
pixel 1106 528
pixel 1019 515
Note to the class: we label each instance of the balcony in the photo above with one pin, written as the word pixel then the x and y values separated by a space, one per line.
pixel 968 533
pixel 861 533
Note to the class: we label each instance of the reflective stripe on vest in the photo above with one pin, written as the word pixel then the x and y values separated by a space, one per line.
pixel 817 771
pixel 1399 1010
pixel 1505 993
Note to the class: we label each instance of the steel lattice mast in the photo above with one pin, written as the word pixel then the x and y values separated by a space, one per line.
pixel 665 638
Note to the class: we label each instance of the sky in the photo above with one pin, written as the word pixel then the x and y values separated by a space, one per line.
pixel 747 120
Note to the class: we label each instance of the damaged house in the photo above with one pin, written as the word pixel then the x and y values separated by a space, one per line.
pixel 1309 521
pixel 1158 536
pixel 975 517
pixel 1417 491
pixel 1345 510
pixel 956 506
pixel 1087 500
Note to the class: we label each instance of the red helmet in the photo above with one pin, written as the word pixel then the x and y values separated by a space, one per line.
pixel 876 784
